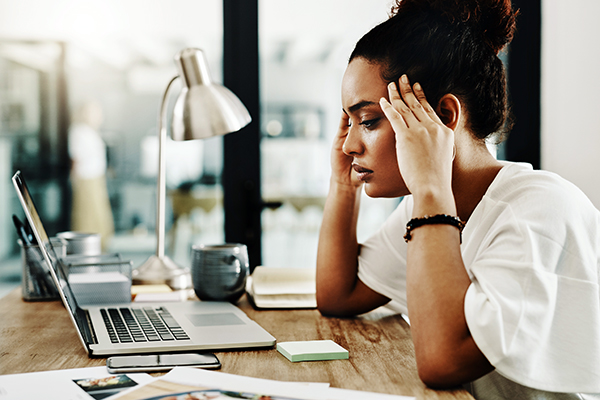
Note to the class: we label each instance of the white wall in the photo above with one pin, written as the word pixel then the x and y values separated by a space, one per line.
pixel 571 92
pixel 6 195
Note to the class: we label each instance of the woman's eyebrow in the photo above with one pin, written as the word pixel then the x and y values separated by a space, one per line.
pixel 361 104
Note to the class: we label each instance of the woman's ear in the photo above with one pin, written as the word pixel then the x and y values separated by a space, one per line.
pixel 449 110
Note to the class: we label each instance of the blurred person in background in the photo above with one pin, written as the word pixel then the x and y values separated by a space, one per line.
pixel 91 211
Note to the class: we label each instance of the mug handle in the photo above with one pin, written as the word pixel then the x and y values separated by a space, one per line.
pixel 243 275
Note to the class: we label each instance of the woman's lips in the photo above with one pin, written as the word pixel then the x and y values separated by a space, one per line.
pixel 361 172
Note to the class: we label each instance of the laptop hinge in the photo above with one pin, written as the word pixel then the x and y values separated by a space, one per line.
pixel 85 323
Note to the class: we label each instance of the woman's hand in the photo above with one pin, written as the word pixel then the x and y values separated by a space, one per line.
pixel 339 291
pixel 436 277
pixel 341 164
pixel 424 145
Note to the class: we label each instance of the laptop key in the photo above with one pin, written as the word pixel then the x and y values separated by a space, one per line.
pixel 166 336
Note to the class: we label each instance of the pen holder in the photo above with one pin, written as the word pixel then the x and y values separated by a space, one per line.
pixel 37 283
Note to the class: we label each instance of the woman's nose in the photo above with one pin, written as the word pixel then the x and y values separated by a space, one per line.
pixel 352 144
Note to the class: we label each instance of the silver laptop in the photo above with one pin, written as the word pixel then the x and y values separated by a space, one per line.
pixel 134 328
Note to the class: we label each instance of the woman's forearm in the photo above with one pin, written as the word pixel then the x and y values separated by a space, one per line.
pixel 337 255
pixel 437 282
pixel 339 291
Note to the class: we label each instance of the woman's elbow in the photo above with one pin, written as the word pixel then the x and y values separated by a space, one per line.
pixel 327 311
pixel 324 306
pixel 330 306
pixel 446 371
pixel 436 376
pixel 437 367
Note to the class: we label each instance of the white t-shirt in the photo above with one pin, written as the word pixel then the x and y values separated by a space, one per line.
pixel 88 151
pixel 531 248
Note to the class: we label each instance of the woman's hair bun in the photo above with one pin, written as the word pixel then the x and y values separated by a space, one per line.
pixel 493 20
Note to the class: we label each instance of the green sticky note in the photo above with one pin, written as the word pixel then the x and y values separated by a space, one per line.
pixel 312 350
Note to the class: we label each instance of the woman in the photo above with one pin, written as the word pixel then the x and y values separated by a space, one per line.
pixel 91 211
pixel 497 265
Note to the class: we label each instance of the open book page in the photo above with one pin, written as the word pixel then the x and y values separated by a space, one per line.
pixel 282 287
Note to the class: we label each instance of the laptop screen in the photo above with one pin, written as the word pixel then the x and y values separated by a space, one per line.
pixel 46 248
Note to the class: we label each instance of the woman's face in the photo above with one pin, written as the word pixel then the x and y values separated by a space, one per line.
pixel 371 141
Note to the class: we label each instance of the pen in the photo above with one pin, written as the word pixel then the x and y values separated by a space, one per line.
pixel 29 231
pixel 40 282
pixel 21 232
pixel 33 283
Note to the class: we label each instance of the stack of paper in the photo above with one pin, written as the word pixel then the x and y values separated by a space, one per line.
pixel 312 350
pixel 282 287
pixel 100 288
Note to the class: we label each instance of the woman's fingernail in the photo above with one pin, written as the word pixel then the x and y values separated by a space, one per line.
pixel 417 86
pixel 391 85
pixel 404 78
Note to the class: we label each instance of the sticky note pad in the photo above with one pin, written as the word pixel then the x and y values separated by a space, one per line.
pixel 312 350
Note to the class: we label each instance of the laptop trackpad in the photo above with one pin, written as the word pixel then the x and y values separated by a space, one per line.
pixel 214 319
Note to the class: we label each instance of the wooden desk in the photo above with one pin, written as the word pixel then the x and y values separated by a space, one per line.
pixel 39 336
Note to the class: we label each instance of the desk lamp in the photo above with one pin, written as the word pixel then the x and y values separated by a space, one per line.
pixel 203 109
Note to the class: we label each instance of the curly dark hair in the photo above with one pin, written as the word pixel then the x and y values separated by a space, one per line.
pixel 448 46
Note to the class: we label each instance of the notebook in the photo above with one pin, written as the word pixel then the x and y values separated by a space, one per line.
pixel 129 328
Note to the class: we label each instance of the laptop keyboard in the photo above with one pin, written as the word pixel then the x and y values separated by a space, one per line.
pixel 127 325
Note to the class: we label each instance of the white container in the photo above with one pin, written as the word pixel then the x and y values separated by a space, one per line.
pixel 88 244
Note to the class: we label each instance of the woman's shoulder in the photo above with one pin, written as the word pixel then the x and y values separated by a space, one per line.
pixel 519 184
pixel 522 200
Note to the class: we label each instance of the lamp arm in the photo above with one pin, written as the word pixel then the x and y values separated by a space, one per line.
pixel 161 190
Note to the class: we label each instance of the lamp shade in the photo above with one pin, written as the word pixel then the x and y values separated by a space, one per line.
pixel 204 108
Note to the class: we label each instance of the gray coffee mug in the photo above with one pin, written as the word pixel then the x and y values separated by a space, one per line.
pixel 219 272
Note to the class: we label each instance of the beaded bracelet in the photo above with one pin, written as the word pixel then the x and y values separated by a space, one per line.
pixel 434 219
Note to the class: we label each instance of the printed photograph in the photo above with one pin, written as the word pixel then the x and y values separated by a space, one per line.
pixel 100 388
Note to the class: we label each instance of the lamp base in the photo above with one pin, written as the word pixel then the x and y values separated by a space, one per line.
pixel 156 270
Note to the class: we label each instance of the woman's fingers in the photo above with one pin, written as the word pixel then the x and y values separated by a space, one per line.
pixel 420 95
pixel 392 114
pixel 344 123
pixel 408 105
pixel 415 101
pixel 400 105
pixel 410 99
pixel 341 163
